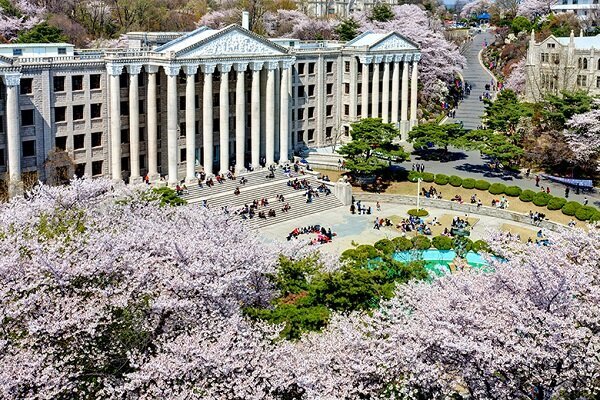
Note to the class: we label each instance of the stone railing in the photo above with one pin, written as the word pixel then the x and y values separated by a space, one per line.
pixel 456 206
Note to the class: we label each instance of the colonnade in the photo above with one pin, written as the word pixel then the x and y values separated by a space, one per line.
pixel 275 70
pixel 394 65
pixel 13 137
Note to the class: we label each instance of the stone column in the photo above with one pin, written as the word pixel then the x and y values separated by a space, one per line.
pixel 134 123
pixel 255 113
pixel 190 122
pixel 13 137
pixel 404 128
pixel 224 117
pixel 395 92
pixel 413 94
pixel 365 87
pixel 375 85
pixel 114 72
pixel 152 123
pixel 353 83
pixel 284 108
pixel 172 72
pixel 207 118
pixel 385 93
pixel 270 113
pixel 240 117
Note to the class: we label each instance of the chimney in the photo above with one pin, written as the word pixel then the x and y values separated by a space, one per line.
pixel 246 20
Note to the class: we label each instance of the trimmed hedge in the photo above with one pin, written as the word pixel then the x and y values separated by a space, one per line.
pixel 527 195
pixel 541 199
pixel 441 179
pixel 468 183
pixel 480 245
pixel 402 243
pixel 366 251
pixel 421 242
pixel 442 242
pixel 482 185
pixel 414 175
pixel 584 213
pixel 456 181
pixel 468 243
pixel 513 191
pixel 418 213
pixel 556 203
pixel 570 208
pixel 386 246
pixel 595 217
pixel 427 176
pixel 497 188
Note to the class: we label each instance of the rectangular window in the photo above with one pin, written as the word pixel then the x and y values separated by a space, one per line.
pixel 142 134
pixel 329 67
pixel 300 136
pixel 328 132
pixel 77 112
pixel 29 148
pixel 96 139
pixel 62 50
pixel 17 52
pixel 95 110
pixel 181 103
pixel 311 68
pixel 77 82
pixel 598 82
pixel 141 107
pixel 26 117
pixel 346 109
pixel 216 99
pixel 124 108
pixel 581 80
pixel 311 112
pixel 346 88
pixel 329 110
pixel 545 58
pixel 359 109
pixel 330 88
pixel 311 90
pixel 300 91
pixel 26 86
pixel 346 131
pixel 1 123
pixel 301 113
pixel 59 83
pixel 311 135
pixel 124 136
pixel 346 66
pixel 60 114
pixel 97 168
pixel 80 170
pixel 555 58
pixel 301 68
pixel 95 81
pixel 2 157
pixel 79 141
pixel 182 129
pixel 60 142
pixel 551 45
pixel 182 154
pixel 123 81
pixel 197 101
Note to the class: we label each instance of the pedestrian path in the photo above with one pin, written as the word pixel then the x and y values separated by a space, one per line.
pixel 471 109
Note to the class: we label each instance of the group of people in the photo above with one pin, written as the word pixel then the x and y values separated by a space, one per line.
pixel 432 193
pixel 414 224
pixel 379 222
pixel 359 208
pixel 536 217
pixel 323 235
pixel 502 203
pixel 418 167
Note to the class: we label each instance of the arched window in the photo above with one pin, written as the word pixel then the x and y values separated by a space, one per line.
pixel 579 63
pixel 585 63
pixel 599 63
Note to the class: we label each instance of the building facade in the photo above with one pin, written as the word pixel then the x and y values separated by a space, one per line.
pixel 171 104
pixel 562 63
pixel 586 10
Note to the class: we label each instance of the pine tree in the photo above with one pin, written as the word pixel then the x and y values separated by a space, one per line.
pixel 347 29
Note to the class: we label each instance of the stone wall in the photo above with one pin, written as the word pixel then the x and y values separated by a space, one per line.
pixel 455 206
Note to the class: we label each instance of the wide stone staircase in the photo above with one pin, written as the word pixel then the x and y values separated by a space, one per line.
pixel 258 187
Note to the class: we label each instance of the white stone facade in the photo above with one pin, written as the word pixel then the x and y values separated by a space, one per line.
pixel 140 111
pixel 563 63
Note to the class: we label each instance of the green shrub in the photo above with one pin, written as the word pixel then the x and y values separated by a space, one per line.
pixel 418 213
pixel 541 199
pixel 595 217
pixel 441 179
pixel 455 181
pixel 421 242
pixel 349 254
pixel 385 246
pixel 570 208
pixel 584 213
pixel 442 242
pixel 366 251
pixel 556 203
pixel 468 243
pixel 414 175
pixel 428 176
pixel 167 196
pixel 468 183
pixel 480 246
pixel 513 191
pixel 401 243
pixel 497 188
pixel 527 195
pixel 482 185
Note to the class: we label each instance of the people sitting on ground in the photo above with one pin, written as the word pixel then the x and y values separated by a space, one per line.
pixel 178 190
pixel 261 214
pixel 271 175
pixel 457 198
pixel 473 199
pixel 271 213
pixel 286 207
pixel 236 191
pixel 243 180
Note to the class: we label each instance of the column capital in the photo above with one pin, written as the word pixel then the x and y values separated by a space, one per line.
pixel 388 58
pixel 172 70
pixel 256 65
pixel 378 59
pixel 416 57
pixel 12 79
pixel 241 66
pixel 134 69
pixel 225 67
pixel 271 65
pixel 114 69
pixel 365 59
pixel 398 58
pixel 151 69
pixel 208 68
pixel 190 69
pixel 286 64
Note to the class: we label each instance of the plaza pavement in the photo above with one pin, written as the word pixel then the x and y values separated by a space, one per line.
pixel 359 228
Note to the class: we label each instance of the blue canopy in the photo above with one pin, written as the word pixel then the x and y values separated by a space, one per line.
pixel 583 183
pixel 484 16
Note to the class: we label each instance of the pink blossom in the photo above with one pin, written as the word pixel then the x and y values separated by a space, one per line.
pixel 475 7
pixel 583 135
pixel 517 77
pixel 535 8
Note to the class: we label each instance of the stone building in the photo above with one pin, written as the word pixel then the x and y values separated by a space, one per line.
pixel 562 63
pixel 145 109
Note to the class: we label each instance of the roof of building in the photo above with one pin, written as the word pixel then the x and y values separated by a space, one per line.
pixel 586 42
pixel 381 41
pixel 34 45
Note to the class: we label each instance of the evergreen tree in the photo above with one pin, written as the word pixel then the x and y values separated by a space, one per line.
pixel 382 12
pixel 42 33
pixel 347 29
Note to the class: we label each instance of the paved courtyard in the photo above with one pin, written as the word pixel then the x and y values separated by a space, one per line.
pixel 359 228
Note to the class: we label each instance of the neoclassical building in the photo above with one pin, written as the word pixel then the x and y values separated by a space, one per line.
pixel 562 63
pixel 171 104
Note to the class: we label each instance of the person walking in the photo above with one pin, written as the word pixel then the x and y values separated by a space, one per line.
pixel 567 190
pixel 537 180
pixel 378 206
pixel 585 201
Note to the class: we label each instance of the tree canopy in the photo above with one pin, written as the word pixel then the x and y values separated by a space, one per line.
pixel 497 146
pixel 440 135
pixel 372 143
pixel 347 29
pixel 42 33
pixel 504 113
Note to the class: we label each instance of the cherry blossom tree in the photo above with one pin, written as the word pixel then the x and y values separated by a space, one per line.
pixel 18 15
pixel 219 19
pixel 517 77
pixel 475 7
pixel 583 135
pixel 535 8
pixel 440 59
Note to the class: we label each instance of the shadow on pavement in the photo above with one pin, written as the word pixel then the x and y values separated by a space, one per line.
pixel 439 155
pixel 488 173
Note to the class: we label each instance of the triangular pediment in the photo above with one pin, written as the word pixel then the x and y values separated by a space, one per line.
pixel 394 41
pixel 231 41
